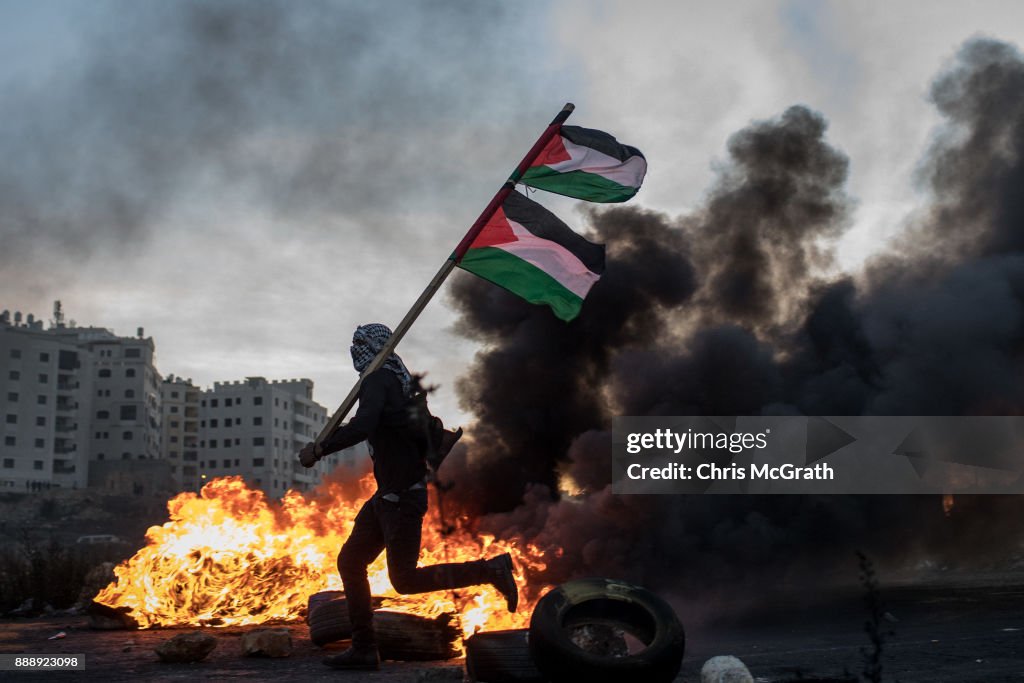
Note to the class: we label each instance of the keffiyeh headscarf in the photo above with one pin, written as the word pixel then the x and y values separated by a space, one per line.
pixel 367 342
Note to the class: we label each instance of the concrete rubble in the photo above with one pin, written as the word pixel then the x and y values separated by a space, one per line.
pixel 267 642
pixel 186 647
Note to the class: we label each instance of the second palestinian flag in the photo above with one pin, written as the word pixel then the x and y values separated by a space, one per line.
pixel 587 164
pixel 528 251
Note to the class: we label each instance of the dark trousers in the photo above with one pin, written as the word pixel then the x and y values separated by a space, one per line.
pixel 394 527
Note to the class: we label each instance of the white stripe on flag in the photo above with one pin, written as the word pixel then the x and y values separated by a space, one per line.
pixel 552 258
pixel 590 160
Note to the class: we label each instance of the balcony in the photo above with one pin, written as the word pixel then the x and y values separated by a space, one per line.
pixel 65 425
pixel 64 446
pixel 63 467
pixel 65 405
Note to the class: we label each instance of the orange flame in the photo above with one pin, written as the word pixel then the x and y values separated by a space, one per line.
pixel 947 504
pixel 228 556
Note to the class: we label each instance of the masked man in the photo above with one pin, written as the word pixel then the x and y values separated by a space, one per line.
pixel 392 518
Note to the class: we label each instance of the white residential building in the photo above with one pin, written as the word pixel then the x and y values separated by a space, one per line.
pixel 180 408
pixel 80 406
pixel 256 427
pixel 71 395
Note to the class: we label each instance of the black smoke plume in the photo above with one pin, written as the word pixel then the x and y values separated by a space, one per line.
pixel 730 311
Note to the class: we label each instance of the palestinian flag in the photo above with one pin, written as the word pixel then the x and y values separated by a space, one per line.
pixel 587 164
pixel 528 251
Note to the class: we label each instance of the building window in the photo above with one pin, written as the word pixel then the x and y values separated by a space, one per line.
pixel 37 464
pixel 238 442
pixel 44 358
pixel 12 419
pixel 100 456
pixel 10 441
pixel 126 456
pixel 14 374
pixel 174 394
pixel 227 463
pixel 258 441
pixel 105 372
pixel 43 378
pixel 174 409
pixel 257 421
pixel 174 439
pixel 40 421
pixel 126 436
pixel 213 423
pixel 129 393
pixel 236 462
pixel 203 403
pixel 213 403
pixel 227 403
pixel 130 372
pixel 41 400
pixel 133 353
pixel 40 443
pixel 128 412
pixel 257 400
pixel 15 353
pixel 102 415
pixel 12 396
pixel 213 443
pixel 174 424
pixel 257 462
pixel 8 463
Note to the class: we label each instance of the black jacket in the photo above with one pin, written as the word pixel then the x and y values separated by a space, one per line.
pixel 383 420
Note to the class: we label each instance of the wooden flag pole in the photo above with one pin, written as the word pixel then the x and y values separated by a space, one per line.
pixel 446 269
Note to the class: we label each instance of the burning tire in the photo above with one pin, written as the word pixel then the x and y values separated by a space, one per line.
pixel 635 610
pixel 501 657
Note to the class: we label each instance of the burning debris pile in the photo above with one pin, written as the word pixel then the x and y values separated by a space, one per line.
pixel 230 557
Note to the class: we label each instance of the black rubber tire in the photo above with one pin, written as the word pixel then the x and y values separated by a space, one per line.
pixel 329 622
pixel 632 608
pixel 501 657
pixel 320 598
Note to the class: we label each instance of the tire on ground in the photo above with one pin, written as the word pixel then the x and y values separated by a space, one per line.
pixel 501 657
pixel 329 622
pixel 631 608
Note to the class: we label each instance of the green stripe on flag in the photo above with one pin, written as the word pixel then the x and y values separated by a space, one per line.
pixel 522 279
pixel 577 184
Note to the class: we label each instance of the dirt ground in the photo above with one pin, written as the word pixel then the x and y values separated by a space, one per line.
pixel 129 656
pixel 948 631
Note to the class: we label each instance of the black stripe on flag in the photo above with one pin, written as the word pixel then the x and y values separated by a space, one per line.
pixel 546 225
pixel 600 141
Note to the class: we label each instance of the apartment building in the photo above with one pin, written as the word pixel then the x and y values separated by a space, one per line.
pixel 255 428
pixel 45 390
pixel 81 406
pixel 70 395
pixel 180 413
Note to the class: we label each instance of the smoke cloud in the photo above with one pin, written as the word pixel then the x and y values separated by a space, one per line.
pixel 732 310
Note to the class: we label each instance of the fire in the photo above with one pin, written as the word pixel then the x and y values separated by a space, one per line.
pixel 947 504
pixel 228 556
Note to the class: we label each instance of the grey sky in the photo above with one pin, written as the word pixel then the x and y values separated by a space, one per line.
pixel 249 181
